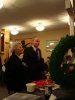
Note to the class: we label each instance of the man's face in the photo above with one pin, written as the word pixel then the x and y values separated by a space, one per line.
pixel 36 42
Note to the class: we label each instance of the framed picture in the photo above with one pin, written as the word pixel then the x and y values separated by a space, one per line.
pixel 50 44
pixel 2 43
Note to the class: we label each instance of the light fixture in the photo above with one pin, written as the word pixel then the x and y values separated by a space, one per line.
pixel 52 43
pixel 1 34
pixel 14 29
pixel 1 4
pixel 40 27
pixel 14 32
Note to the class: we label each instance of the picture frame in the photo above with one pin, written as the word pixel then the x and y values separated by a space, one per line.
pixel 50 45
pixel 2 42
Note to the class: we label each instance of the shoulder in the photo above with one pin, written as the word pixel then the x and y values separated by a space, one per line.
pixel 11 59
pixel 39 49
pixel 29 48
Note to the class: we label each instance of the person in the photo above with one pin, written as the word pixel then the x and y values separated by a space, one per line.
pixel 24 45
pixel 33 58
pixel 16 70
pixel 67 59
pixel 46 63
pixel 73 55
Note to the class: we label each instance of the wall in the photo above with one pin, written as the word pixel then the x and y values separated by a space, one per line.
pixel 4 54
pixel 43 36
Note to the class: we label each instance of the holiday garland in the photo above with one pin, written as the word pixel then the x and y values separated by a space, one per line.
pixel 56 60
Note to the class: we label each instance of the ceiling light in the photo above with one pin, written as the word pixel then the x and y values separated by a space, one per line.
pixel 14 32
pixel 1 4
pixel 52 43
pixel 47 46
pixel 14 29
pixel 40 27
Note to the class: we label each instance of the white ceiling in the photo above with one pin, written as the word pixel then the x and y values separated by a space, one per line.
pixel 26 14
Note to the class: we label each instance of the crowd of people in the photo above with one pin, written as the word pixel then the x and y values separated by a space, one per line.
pixel 25 65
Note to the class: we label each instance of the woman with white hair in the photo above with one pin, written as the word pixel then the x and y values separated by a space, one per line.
pixel 16 70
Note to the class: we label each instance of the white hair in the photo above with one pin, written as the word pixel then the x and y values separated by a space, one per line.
pixel 14 45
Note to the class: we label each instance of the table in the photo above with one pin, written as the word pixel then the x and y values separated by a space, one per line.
pixel 64 93
pixel 22 96
pixel 59 92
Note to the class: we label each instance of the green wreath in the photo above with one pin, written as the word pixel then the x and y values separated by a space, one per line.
pixel 56 60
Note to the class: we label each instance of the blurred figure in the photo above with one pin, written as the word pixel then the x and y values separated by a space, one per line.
pixel 24 45
pixel 33 58
pixel 67 59
pixel 16 70
pixel 73 55
pixel 46 72
pixel 47 63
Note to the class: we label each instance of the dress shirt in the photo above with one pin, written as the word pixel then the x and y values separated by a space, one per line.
pixel 37 51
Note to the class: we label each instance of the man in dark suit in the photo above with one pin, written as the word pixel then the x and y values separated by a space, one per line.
pixel 32 56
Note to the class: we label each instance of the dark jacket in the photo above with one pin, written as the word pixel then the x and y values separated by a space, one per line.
pixel 16 73
pixel 35 65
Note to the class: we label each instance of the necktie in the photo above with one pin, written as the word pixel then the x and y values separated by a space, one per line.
pixel 38 54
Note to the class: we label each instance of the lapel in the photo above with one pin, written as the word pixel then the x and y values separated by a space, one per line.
pixel 34 53
pixel 38 53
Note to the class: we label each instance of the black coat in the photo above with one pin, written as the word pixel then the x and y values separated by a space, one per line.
pixel 16 73
pixel 35 65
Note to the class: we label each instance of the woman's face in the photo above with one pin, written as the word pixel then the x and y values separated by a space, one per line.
pixel 19 49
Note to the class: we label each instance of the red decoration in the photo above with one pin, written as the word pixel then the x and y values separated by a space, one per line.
pixel 42 83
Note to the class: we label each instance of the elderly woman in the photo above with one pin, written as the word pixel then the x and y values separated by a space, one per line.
pixel 16 70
